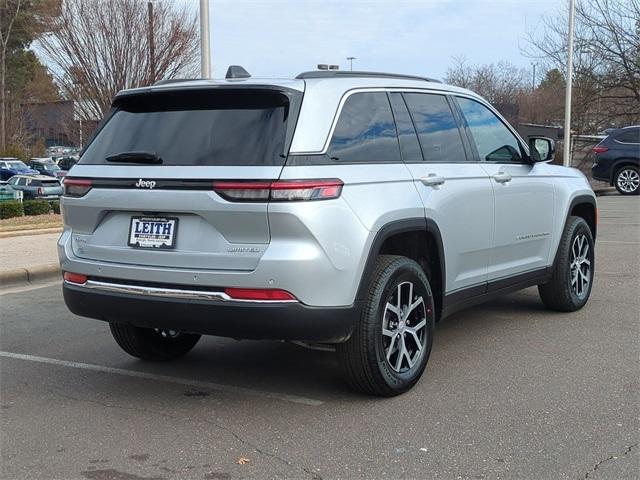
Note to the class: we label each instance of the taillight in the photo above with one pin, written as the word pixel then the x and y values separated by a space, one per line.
pixel 292 190
pixel 76 187
pixel 76 278
pixel 279 190
pixel 243 191
pixel 259 294
pixel 599 149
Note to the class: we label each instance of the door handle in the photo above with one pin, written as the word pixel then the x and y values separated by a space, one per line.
pixel 502 177
pixel 432 180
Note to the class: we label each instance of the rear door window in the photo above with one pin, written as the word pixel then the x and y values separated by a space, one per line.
pixel 409 145
pixel 199 127
pixel 437 128
pixel 631 136
pixel 365 131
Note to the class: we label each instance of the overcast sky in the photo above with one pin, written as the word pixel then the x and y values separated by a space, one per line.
pixel 284 37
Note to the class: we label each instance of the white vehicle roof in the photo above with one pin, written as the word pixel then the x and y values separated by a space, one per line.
pixel 323 93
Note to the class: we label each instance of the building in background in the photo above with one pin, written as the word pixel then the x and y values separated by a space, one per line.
pixel 57 123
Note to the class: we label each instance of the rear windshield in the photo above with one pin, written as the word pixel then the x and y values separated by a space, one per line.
pixel 225 127
pixel 45 183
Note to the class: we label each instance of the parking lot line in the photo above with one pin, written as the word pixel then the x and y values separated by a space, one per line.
pixel 619 242
pixel 165 378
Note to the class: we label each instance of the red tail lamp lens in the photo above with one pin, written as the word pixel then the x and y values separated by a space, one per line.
pixel 75 278
pixel 259 294
pixel 76 187
pixel 598 149
pixel 280 190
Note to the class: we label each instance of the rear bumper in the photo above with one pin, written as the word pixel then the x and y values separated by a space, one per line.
pixel 259 320
pixel 601 171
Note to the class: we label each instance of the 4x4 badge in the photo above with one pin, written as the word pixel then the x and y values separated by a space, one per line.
pixel 145 184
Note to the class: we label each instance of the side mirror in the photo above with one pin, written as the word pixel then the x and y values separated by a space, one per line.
pixel 541 149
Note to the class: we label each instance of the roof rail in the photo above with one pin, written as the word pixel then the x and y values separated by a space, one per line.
pixel 345 73
pixel 175 80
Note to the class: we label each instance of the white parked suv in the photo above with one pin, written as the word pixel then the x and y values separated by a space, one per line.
pixel 346 208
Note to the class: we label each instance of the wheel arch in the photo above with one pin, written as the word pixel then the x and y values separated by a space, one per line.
pixel 416 238
pixel 584 206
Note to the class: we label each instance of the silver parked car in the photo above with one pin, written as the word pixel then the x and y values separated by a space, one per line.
pixel 41 187
pixel 345 208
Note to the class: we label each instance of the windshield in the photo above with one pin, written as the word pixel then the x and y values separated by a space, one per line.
pixel 51 168
pixel 17 165
pixel 225 127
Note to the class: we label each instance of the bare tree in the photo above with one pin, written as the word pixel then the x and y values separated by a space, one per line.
pixel 606 62
pixel 96 48
pixel 9 13
pixel 500 83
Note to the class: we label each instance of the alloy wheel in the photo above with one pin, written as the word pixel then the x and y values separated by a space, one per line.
pixel 628 180
pixel 404 328
pixel 580 269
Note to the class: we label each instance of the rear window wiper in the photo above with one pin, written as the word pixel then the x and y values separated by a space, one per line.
pixel 135 157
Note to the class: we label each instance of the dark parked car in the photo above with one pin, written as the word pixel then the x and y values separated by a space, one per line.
pixel 65 163
pixel 618 160
pixel 37 187
pixel 48 167
pixel 10 166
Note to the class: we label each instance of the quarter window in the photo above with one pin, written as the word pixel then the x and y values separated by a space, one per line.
pixel 365 131
pixel 494 141
pixel 436 126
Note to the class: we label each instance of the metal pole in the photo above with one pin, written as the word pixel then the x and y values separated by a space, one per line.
pixel 205 41
pixel 351 59
pixel 566 159
pixel 152 46
pixel 533 83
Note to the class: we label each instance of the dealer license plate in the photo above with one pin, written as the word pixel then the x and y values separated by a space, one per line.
pixel 153 232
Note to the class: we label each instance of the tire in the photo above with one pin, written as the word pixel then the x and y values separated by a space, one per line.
pixel 567 290
pixel 627 180
pixel 152 344
pixel 364 357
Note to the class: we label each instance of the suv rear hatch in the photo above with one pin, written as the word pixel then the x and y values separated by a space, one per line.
pixel 143 191
pixel 47 187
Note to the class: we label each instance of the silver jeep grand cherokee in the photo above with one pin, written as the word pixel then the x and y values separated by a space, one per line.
pixel 346 208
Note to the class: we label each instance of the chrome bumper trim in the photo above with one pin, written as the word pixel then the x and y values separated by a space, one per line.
pixel 166 292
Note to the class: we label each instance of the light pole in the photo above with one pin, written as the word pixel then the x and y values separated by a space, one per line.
pixel 152 47
pixel 533 78
pixel 205 41
pixel 566 157
pixel 351 59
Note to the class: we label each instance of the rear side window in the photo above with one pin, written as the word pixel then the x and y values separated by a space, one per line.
pixel 365 131
pixel 494 141
pixel 631 136
pixel 409 145
pixel 437 127
pixel 200 127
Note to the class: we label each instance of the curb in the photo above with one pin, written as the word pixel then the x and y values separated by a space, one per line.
pixel 24 233
pixel 24 276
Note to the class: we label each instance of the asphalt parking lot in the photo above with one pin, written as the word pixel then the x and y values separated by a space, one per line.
pixel 511 391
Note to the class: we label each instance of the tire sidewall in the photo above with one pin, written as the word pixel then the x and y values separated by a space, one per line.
pixel 617 176
pixel 408 271
pixel 578 228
